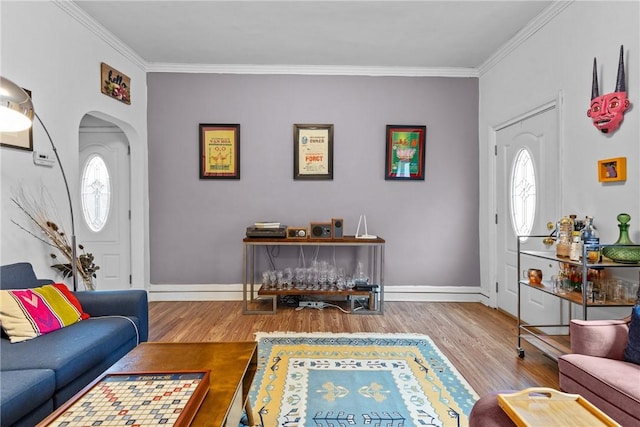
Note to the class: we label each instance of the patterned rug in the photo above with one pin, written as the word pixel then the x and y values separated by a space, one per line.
pixel 391 380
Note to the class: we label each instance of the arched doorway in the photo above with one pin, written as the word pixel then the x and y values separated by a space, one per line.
pixel 104 213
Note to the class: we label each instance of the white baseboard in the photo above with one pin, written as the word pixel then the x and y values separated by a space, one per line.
pixel 233 292
pixel 433 293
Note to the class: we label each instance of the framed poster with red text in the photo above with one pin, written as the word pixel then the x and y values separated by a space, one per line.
pixel 313 152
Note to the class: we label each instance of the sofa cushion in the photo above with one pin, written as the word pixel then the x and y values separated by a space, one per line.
pixel 615 382
pixel 70 351
pixel 25 391
pixel 28 313
pixel 132 303
pixel 599 338
pixel 632 351
pixel 19 276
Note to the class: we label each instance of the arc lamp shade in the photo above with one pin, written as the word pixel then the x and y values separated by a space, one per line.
pixel 16 108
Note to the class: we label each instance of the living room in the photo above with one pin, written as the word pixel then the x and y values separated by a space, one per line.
pixel 442 242
pixel 545 66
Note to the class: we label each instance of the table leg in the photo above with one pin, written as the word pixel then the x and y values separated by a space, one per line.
pixel 249 412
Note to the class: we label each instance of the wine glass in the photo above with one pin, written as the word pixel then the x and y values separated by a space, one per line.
pixel 266 284
pixel 287 278
pixel 300 275
pixel 331 277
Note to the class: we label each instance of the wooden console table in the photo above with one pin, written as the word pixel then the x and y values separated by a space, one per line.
pixel 256 300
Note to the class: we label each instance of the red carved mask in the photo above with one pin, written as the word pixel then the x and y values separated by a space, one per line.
pixel 607 111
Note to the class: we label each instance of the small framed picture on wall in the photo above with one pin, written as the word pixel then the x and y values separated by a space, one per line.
pixel 405 152
pixel 612 170
pixel 313 152
pixel 219 151
pixel 115 84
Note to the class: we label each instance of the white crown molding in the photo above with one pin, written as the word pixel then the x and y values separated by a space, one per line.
pixel 96 28
pixel 325 70
pixel 524 34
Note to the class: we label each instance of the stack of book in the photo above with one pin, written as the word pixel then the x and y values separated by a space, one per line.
pixel 267 224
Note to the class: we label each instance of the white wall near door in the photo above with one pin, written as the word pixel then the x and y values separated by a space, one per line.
pixel 559 59
pixel 63 92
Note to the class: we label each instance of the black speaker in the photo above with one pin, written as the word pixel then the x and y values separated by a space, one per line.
pixel 320 230
pixel 337 228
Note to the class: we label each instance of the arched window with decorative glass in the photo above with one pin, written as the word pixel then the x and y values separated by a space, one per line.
pixel 523 193
pixel 95 193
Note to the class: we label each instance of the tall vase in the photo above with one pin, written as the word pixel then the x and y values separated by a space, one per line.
pixel 623 251
pixel 623 225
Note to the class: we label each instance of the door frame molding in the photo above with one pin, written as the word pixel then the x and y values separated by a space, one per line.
pixel 557 104
pixel 139 199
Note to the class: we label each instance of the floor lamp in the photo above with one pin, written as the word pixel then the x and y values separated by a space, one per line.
pixel 16 114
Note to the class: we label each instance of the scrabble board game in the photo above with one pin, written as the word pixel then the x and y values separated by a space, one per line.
pixel 135 399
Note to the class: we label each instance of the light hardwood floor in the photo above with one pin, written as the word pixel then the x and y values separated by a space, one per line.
pixel 481 342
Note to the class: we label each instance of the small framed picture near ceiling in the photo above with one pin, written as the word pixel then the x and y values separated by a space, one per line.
pixel 219 151
pixel 22 140
pixel 115 84
pixel 313 152
pixel 405 147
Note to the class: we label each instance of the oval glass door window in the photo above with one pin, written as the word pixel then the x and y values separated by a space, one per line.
pixel 96 193
pixel 523 193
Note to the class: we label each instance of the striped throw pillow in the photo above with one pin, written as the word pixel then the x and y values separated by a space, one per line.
pixel 28 313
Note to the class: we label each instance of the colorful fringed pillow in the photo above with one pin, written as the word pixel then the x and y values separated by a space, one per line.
pixel 28 313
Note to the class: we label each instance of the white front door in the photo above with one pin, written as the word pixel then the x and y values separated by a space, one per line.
pixel 527 191
pixel 109 241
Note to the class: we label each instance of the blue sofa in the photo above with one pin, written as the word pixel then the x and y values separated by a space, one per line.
pixel 39 375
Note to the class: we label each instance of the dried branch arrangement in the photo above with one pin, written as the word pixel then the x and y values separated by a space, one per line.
pixel 41 214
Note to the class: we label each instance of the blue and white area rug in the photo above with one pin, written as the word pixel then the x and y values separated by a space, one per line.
pixel 323 380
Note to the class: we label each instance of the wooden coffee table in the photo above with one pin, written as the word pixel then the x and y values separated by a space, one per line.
pixel 232 365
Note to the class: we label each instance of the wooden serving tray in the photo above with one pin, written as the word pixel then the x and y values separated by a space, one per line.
pixel 546 407
pixel 170 398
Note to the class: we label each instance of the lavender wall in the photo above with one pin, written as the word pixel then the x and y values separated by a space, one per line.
pixel 197 226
